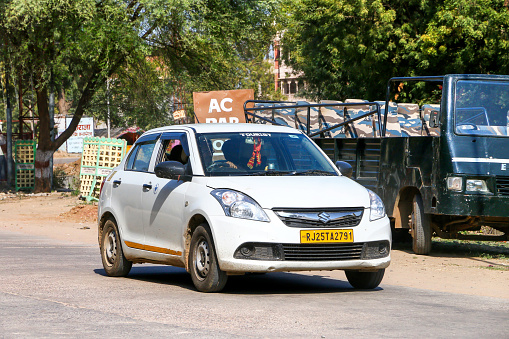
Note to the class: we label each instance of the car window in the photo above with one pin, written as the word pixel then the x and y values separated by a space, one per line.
pixel 132 156
pixel 174 148
pixel 261 154
pixel 140 157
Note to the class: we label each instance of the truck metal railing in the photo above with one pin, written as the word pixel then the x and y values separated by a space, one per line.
pixel 280 105
pixel 437 78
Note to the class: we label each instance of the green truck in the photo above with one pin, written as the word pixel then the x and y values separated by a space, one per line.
pixel 440 167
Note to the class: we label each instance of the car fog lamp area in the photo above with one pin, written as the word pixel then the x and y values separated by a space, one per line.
pixel 313 252
pixel 238 205
pixel 375 250
pixel 259 251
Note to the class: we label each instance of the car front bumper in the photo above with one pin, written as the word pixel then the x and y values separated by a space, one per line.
pixel 231 234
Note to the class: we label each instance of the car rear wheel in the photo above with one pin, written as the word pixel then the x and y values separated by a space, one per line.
pixel 204 268
pixel 365 280
pixel 421 227
pixel 114 262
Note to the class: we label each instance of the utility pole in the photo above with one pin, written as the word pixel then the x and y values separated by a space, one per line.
pixel 51 122
pixel 108 103
pixel 10 168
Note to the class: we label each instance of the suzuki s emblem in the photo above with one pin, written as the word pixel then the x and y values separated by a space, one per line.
pixel 324 217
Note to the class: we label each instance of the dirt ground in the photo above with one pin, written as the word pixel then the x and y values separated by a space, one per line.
pixel 64 217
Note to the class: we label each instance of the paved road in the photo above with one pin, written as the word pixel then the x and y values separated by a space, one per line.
pixel 52 289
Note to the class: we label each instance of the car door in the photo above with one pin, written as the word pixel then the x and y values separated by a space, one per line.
pixel 163 200
pixel 128 187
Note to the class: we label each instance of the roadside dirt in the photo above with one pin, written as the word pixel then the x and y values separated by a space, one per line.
pixel 63 217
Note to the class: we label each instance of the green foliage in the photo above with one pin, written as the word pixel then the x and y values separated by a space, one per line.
pixel 193 46
pixel 258 74
pixel 74 46
pixel 198 45
pixel 141 95
pixel 350 48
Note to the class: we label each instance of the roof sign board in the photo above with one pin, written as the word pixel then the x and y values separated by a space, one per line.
pixel 221 106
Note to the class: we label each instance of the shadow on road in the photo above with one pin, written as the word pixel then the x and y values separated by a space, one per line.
pixel 270 283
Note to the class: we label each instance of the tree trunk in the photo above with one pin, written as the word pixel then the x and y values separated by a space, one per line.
pixel 45 147
pixel 42 171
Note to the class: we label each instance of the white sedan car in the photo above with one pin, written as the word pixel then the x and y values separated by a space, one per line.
pixel 223 199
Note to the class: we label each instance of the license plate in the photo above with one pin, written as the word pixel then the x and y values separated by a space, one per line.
pixel 325 236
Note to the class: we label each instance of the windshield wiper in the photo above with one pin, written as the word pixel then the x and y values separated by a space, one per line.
pixel 272 173
pixel 314 172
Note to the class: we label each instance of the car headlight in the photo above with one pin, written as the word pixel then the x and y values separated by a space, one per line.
pixel 477 185
pixel 377 209
pixel 238 205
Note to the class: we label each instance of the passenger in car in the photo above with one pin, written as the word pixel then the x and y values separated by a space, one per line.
pixel 177 154
pixel 231 153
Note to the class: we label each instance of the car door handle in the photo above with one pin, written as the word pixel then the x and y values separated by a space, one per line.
pixel 147 187
pixel 116 183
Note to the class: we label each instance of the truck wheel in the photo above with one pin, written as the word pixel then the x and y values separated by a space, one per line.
pixel 204 268
pixel 365 280
pixel 114 262
pixel 421 227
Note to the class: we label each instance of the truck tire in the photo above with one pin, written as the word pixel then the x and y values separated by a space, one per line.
pixel 365 280
pixel 421 227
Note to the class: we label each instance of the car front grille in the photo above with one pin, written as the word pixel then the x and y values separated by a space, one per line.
pixel 503 185
pixel 320 218
pixel 322 252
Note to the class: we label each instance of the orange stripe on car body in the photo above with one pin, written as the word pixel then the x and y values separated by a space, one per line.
pixel 152 248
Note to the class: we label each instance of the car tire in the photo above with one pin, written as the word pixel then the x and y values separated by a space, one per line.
pixel 203 265
pixel 421 227
pixel 114 262
pixel 365 280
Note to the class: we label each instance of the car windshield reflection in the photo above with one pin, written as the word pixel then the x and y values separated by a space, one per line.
pixel 261 154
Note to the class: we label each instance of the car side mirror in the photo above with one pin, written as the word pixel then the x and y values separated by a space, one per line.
pixel 433 119
pixel 345 168
pixel 171 170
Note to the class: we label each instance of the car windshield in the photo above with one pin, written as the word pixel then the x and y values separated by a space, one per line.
pixel 482 108
pixel 232 154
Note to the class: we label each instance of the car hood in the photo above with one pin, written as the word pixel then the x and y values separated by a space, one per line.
pixel 297 191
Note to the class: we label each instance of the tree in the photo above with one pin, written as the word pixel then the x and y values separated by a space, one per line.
pixel 349 49
pixel 206 45
pixel 71 47
pixel 141 95
pixel 59 41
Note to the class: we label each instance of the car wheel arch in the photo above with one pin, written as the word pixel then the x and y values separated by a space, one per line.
pixel 102 221
pixel 195 221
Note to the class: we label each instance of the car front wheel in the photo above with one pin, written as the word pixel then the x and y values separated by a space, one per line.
pixel 114 262
pixel 365 280
pixel 203 265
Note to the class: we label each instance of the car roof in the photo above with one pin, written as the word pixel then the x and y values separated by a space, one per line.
pixel 225 127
